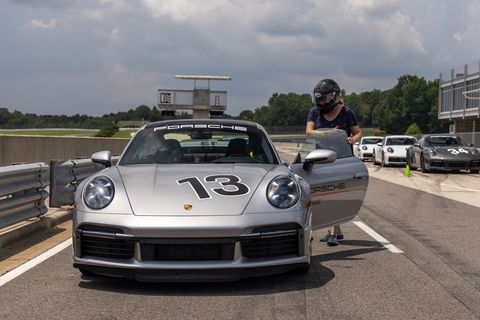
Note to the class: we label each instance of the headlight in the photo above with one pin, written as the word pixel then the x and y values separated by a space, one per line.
pixel 364 148
pixel 389 150
pixel 98 192
pixel 282 192
pixel 432 152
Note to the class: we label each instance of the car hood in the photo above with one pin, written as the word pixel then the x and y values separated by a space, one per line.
pixel 185 190
pixel 398 150
pixel 370 147
pixel 455 152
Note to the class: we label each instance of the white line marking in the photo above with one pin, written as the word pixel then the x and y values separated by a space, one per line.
pixel 372 233
pixel 448 185
pixel 458 187
pixel 9 276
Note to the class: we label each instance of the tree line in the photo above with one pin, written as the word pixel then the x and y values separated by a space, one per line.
pixel 410 106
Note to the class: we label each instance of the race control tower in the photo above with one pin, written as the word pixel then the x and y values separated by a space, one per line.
pixel 204 102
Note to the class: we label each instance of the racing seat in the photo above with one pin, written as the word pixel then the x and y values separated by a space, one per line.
pixel 237 147
pixel 175 151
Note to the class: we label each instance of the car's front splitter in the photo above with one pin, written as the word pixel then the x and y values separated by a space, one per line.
pixel 190 275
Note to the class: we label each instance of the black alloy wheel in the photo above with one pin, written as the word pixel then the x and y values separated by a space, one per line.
pixel 422 164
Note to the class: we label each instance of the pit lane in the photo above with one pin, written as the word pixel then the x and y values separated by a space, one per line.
pixel 436 277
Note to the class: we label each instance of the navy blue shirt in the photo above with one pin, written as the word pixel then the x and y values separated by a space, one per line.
pixel 345 120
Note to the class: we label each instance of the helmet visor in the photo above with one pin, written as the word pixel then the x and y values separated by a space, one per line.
pixel 323 98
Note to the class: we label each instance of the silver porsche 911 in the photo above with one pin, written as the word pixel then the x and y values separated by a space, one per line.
pixel 211 200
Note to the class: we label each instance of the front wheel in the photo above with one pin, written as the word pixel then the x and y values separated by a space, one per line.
pixel 422 164
pixel 474 171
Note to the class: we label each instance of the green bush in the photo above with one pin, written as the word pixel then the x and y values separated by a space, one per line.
pixel 108 130
pixel 413 129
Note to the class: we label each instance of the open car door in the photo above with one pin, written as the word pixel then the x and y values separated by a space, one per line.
pixel 338 180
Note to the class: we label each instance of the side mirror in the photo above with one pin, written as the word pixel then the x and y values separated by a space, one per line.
pixel 416 144
pixel 102 157
pixel 380 144
pixel 356 143
pixel 471 145
pixel 319 156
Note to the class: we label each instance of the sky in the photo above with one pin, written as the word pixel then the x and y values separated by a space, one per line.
pixel 101 56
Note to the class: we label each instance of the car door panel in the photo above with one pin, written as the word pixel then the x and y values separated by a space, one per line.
pixel 337 190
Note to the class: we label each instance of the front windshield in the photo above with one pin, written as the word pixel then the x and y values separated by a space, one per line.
pixel 189 144
pixel 330 139
pixel 444 141
pixel 371 140
pixel 400 141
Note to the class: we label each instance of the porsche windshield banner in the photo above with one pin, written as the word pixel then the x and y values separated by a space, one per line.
pixel 200 126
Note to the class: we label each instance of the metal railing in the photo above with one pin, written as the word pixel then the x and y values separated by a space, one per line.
pixel 65 176
pixel 22 192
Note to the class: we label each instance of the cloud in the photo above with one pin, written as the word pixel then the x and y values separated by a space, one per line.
pixel 40 24
pixel 130 49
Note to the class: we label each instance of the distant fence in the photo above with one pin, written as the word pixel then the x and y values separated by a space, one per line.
pixel 29 149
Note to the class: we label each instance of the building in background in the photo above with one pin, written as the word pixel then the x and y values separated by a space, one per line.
pixel 203 102
pixel 459 101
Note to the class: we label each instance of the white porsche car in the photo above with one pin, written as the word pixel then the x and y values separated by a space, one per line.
pixel 393 150
pixel 367 146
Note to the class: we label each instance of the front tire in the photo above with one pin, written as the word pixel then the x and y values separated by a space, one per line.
pixel 474 171
pixel 422 164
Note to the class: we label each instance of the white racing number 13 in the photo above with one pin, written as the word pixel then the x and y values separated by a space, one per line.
pixel 231 186
pixel 457 151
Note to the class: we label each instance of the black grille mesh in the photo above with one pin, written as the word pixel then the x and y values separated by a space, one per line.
pixel 187 252
pixel 277 246
pixel 106 248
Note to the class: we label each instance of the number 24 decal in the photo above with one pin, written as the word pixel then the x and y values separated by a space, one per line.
pixel 460 150
pixel 227 181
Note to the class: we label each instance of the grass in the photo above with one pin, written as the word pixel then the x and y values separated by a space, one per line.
pixel 50 132
pixel 124 134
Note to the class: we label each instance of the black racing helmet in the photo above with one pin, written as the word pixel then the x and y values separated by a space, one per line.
pixel 326 95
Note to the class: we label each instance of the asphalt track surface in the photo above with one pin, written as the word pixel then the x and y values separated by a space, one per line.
pixel 436 277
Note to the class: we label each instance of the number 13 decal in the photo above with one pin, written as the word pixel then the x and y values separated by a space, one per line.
pixel 231 186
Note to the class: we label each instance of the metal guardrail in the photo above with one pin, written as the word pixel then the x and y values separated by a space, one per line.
pixel 65 176
pixel 22 192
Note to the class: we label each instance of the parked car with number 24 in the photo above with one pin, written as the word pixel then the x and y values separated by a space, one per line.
pixel 444 152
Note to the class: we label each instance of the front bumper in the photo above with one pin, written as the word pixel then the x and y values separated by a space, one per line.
pixel 449 165
pixel 366 155
pixel 395 160
pixel 236 249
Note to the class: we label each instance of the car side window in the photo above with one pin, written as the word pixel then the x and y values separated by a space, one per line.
pixel 329 139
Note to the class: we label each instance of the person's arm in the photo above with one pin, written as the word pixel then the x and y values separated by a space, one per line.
pixel 309 128
pixel 356 135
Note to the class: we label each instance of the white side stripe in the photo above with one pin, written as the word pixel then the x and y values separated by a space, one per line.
pixel 9 276
pixel 372 233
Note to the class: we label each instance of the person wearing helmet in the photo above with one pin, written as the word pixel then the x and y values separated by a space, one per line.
pixel 329 111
